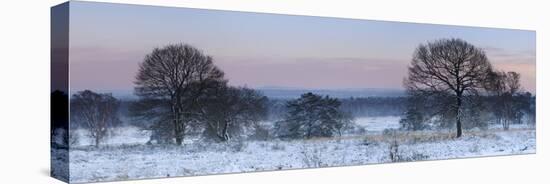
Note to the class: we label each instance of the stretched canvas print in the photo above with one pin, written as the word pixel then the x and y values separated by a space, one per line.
pixel 155 92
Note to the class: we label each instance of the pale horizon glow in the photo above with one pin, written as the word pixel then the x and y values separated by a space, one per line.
pixel 108 41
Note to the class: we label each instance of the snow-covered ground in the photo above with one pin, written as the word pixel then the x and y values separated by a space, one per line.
pixel 378 123
pixel 119 136
pixel 132 159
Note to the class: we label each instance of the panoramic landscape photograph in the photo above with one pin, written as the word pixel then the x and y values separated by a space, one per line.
pixel 157 92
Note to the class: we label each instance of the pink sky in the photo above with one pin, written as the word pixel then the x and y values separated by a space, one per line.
pixel 108 41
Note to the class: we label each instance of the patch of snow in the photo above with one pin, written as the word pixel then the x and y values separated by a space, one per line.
pixel 128 135
pixel 378 123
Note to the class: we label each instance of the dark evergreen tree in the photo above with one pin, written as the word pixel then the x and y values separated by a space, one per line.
pixel 311 116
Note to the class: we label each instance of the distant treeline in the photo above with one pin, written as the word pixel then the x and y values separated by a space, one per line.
pixel 357 107
pixel 288 117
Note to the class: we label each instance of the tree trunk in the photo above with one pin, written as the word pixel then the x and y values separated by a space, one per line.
pixel 458 116
pixel 177 133
pixel 97 141
pixel 181 136
pixel 506 124
pixel 179 140
pixel 224 132
pixel 177 126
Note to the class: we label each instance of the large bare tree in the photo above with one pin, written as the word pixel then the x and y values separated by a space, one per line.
pixel 175 75
pixel 96 112
pixel 452 67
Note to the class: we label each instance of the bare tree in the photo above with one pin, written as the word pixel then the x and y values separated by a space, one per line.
pixel 504 86
pixel 227 110
pixel 449 66
pixel 96 112
pixel 175 74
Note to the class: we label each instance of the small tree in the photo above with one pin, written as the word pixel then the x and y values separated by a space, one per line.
pixel 529 107
pixel 154 115
pixel 313 116
pixel 533 110
pixel 96 112
pixel 450 66
pixel 413 120
pixel 416 113
pixel 477 114
pixel 226 111
pixel 505 88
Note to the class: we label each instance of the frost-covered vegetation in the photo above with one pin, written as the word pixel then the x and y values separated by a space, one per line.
pixel 131 158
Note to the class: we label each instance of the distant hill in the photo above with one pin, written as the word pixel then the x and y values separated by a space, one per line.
pixel 286 93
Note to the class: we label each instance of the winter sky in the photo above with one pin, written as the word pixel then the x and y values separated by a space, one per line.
pixel 107 41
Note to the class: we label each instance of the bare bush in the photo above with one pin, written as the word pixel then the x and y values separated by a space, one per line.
pixel 96 112
pixel 312 156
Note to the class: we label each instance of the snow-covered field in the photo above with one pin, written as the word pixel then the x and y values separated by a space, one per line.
pixel 120 160
pixel 378 123
pixel 119 136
